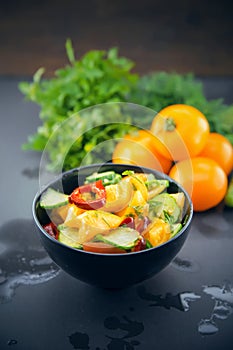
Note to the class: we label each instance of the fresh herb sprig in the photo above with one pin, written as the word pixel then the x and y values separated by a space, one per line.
pixel 98 77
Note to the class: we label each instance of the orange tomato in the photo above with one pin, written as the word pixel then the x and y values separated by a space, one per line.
pixel 182 131
pixel 140 149
pixel 158 232
pixel 220 149
pixel 204 180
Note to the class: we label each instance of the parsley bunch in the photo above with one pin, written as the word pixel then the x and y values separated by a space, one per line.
pixel 98 77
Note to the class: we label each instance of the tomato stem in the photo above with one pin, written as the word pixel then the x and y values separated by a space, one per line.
pixel 170 124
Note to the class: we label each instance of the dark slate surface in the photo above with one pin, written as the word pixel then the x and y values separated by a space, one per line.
pixel 188 305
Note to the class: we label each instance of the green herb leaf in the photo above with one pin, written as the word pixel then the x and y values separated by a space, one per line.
pixel 70 51
pixel 128 172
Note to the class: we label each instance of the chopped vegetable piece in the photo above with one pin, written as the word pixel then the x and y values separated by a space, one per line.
pixel 100 247
pixel 69 236
pixel 158 232
pixel 92 222
pixel 51 229
pixel 164 206
pixel 180 199
pixel 107 178
pixel 155 187
pixel 89 196
pixel 121 237
pixel 58 215
pixel 175 228
pixel 118 196
pixel 129 222
pixel 138 206
pixel 148 244
pixel 53 199
pixel 141 245
pixel 138 182
pixel 72 215
pixel 142 223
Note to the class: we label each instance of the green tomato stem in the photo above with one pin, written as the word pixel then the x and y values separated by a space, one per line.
pixel 170 124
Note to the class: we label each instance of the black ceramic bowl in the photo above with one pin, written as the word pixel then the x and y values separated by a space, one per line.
pixel 110 270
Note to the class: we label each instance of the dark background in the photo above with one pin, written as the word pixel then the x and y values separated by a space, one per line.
pixel 183 36
pixel 158 35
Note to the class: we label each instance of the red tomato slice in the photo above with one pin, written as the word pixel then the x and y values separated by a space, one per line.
pixel 100 247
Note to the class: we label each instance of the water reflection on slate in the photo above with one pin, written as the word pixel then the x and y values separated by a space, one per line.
pixel 185 264
pixel 130 329
pixel 222 309
pixel 23 261
pixel 214 223
pixel 122 332
pixel 178 301
pixel 12 342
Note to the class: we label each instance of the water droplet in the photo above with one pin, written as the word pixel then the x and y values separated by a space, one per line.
pixel 224 294
pixel 20 251
pixel 178 301
pixel 223 307
pixel 79 340
pixel 12 342
pixel 186 297
pixel 221 310
pixel 185 265
pixel 207 327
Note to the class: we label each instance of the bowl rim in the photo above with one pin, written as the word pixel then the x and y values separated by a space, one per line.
pixel 116 165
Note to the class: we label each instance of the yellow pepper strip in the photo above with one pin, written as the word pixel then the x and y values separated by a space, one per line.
pixel 118 196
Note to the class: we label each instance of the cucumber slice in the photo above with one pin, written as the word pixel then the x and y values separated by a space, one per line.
pixel 180 199
pixel 165 207
pixel 175 228
pixel 68 236
pixel 155 187
pixel 108 178
pixel 51 199
pixel 121 237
